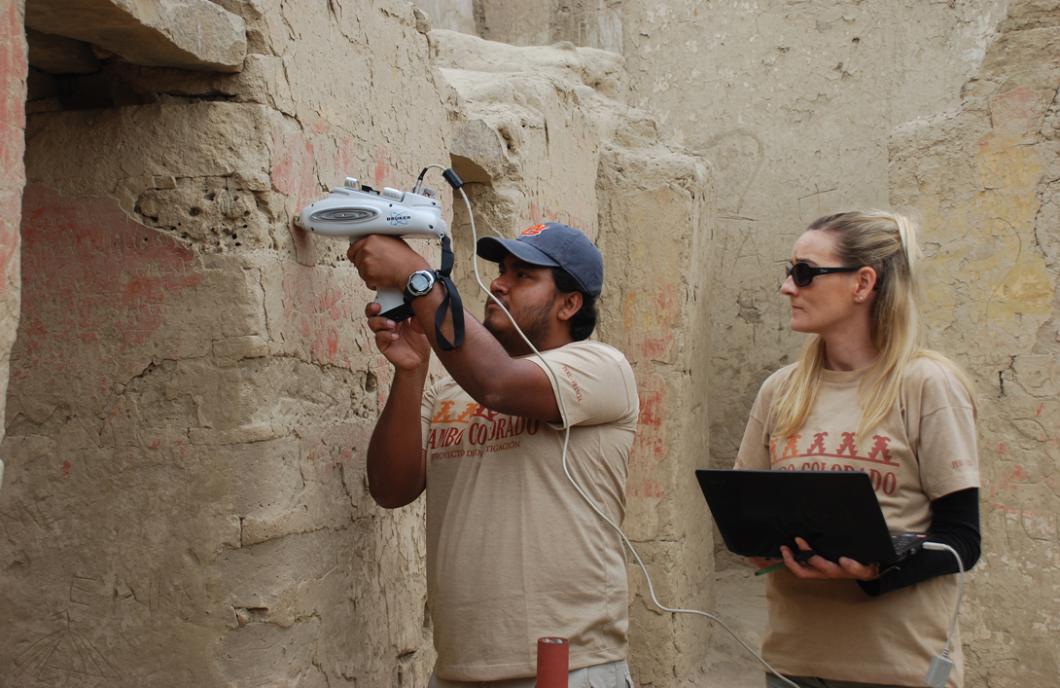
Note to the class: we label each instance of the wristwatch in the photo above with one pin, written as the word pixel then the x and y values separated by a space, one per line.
pixel 420 283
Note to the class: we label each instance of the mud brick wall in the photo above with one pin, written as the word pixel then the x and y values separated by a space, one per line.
pixel 13 69
pixel 192 385
pixel 985 178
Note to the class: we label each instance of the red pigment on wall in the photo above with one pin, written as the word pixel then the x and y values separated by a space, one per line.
pixel 320 304
pixel 651 408
pixel 656 348
pixel 94 281
pixel 1018 110
pixel 13 68
pixel 382 169
pixel 10 209
pixel 650 445
pixel 292 168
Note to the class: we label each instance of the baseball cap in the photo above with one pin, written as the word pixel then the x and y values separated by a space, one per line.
pixel 552 245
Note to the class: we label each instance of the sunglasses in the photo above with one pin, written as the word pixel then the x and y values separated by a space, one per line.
pixel 803 273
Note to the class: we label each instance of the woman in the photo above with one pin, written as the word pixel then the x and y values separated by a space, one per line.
pixel 864 395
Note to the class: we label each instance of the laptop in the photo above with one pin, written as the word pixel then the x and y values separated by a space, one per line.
pixel 835 512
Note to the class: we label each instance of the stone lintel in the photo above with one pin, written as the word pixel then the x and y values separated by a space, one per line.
pixel 189 34
pixel 60 55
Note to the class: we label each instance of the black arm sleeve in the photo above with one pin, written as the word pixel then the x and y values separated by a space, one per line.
pixel 954 522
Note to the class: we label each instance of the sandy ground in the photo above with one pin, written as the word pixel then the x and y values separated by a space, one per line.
pixel 740 602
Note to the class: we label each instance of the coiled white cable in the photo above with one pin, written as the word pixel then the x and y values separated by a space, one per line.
pixel 566 469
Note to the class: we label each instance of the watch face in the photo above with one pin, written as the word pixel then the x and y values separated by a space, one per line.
pixel 420 282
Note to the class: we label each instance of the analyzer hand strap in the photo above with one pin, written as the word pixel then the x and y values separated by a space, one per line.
pixel 451 302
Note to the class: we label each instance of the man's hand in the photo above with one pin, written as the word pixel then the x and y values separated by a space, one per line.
pixel 819 568
pixel 403 343
pixel 384 262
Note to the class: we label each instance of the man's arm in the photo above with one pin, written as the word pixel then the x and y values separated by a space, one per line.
pixel 397 471
pixel 481 366
pixel 484 369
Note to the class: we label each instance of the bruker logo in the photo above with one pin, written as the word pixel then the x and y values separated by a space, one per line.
pixel 398 220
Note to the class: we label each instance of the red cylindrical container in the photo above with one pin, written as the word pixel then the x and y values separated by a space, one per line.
pixel 553 662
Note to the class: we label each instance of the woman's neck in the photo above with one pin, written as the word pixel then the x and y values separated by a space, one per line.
pixel 849 350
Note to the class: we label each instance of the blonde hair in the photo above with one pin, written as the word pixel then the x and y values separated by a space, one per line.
pixel 886 242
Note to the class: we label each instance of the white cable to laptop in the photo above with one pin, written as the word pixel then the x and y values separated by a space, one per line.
pixel 941 664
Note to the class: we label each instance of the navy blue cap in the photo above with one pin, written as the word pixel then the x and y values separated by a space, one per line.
pixel 552 245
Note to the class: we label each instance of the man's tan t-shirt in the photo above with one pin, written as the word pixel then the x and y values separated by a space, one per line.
pixel 925 449
pixel 513 552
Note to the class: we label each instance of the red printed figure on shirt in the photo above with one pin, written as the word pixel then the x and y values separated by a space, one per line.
pixel 847 446
pixel 879 451
pixel 818 444
pixel 791 447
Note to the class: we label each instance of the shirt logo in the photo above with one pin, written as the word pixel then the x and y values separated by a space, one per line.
pixel 476 429
pixel 799 453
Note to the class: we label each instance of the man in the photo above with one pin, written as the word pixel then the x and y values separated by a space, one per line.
pixel 514 553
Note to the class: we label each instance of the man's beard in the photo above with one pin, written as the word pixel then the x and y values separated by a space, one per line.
pixel 534 324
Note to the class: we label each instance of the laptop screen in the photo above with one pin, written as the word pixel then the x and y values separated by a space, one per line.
pixel 836 512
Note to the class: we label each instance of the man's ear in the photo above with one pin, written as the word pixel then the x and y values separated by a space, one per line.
pixel 571 303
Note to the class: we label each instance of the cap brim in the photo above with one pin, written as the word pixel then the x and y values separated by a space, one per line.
pixel 494 249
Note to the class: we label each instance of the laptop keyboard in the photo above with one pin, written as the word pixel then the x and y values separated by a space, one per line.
pixel 906 543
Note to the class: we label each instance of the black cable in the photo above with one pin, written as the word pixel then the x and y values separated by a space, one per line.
pixel 454 180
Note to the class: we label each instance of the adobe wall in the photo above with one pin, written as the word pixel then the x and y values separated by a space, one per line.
pixel 985 178
pixel 193 386
pixel 13 68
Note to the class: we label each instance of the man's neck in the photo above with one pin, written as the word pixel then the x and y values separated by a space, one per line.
pixel 518 347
